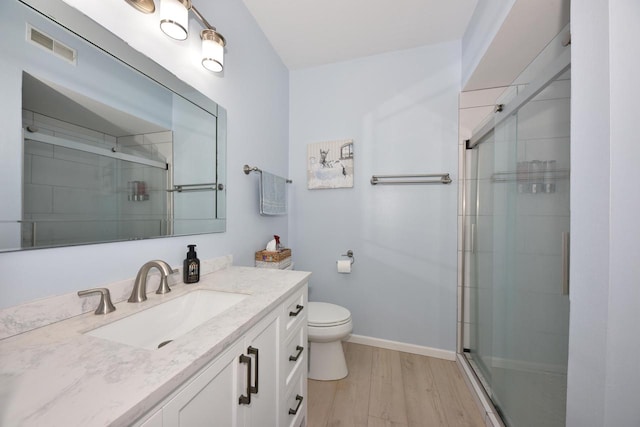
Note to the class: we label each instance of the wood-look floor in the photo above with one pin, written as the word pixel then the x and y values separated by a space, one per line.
pixel 387 388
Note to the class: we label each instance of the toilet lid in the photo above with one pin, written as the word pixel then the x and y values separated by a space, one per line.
pixel 326 314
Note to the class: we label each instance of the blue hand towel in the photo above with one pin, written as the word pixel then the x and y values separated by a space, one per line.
pixel 273 194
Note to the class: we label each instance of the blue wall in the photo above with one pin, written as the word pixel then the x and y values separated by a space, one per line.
pixel 255 92
pixel 401 110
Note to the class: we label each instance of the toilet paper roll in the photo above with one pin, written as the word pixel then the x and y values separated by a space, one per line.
pixel 344 266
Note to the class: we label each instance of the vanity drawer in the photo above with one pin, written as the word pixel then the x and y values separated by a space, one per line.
pixel 295 311
pixel 295 403
pixel 295 354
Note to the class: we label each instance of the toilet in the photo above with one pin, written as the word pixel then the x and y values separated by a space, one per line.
pixel 329 324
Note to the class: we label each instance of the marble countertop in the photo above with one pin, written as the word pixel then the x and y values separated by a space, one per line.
pixel 58 376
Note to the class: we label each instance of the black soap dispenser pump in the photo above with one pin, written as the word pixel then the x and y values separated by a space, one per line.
pixel 191 266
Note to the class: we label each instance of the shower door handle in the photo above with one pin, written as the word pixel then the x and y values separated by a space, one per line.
pixel 472 234
pixel 565 263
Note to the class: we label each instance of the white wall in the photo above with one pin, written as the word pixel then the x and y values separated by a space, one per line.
pixel 254 90
pixel 401 110
pixel 604 377
pixel 623 347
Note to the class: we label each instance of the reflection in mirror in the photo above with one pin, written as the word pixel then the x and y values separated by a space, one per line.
pixel 91 173
pixel 103 152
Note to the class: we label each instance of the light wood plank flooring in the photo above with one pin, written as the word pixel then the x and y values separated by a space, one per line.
pixel 387 388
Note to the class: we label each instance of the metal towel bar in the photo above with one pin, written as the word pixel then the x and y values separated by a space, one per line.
pixel 443 178
pixel 248 169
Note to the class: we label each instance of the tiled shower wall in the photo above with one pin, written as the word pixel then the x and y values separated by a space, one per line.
pixel 543 129
pixel 67 189
pixel 537 313
pixel 512 313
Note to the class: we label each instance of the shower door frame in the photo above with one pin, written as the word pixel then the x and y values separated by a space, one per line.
pixel 549 74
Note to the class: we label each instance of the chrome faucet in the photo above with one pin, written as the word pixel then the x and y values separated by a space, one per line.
pixel 139 292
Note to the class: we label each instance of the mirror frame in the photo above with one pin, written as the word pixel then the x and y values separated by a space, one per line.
pixel 84 27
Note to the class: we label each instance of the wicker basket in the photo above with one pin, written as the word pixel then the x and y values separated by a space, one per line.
pixel 268 256
pixel 280 265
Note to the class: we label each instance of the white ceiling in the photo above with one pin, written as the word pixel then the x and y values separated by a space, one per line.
pixel 60 103
pixel 526 31
pixel 308 33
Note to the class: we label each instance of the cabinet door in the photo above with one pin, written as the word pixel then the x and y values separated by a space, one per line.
pixel 295 403
pixel 265 338
pixel 153 421
pixel 210 399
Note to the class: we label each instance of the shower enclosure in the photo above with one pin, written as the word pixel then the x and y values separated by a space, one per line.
pixel 516 251
pixel 76 192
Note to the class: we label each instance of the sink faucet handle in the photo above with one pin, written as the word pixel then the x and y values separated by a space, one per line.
pixel 165 271
pixel 105 306
pixel 163 288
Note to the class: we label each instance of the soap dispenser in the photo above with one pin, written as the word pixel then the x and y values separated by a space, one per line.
pixel 191 266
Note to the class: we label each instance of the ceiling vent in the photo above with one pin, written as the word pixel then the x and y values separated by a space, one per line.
pixel 43 40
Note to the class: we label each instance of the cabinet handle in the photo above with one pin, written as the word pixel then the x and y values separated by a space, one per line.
pixel 298 310
pixel 254 389
pixel 297 356
pixel 295 411
pixel 246 400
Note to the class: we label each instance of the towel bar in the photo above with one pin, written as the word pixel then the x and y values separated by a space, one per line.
pixel 248 169
pixel 443 178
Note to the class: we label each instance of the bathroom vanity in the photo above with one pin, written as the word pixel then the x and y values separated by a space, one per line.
pixel 246 366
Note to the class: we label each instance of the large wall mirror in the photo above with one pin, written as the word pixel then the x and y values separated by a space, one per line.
pixel 98 142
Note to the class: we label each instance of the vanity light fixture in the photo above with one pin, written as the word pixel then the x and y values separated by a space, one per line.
pixel 144 6
pixel 212 50
pixel 174 18
pixel 174 22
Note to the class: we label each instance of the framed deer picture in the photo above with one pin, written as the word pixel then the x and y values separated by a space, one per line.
pixel 330 164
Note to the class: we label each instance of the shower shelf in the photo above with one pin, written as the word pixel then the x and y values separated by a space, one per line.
pixel 532 182
pixel 530 176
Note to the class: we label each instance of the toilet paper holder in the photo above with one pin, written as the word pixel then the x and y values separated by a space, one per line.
pixel 350 255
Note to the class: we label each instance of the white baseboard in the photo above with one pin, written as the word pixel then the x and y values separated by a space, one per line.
pixel 404 347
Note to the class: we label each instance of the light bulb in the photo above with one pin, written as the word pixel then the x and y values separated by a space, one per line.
pixel 212 50
pixel 174 18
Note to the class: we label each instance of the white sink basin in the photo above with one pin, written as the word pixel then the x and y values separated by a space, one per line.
pixel 165 322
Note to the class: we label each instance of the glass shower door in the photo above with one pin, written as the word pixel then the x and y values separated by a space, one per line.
pixel 519 306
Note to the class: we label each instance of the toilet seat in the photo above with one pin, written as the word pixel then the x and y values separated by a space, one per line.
pixel 325 315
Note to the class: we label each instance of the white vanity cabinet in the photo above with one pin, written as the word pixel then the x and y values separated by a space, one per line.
pixel 260 379
pixel 254 383
pixel 210 399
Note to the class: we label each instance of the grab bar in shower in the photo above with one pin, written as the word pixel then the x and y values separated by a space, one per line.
pixel 442 178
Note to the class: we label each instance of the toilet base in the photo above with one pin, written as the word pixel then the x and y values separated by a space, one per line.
pixel 326 361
